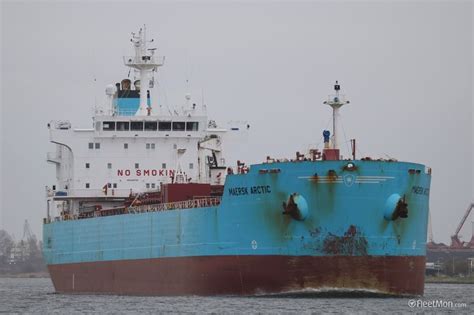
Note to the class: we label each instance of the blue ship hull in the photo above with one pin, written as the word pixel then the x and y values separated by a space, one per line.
pixel 282 227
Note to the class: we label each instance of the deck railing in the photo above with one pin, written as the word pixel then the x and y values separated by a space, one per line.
pixel 187 204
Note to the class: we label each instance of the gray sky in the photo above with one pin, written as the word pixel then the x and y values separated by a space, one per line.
pixel 406 67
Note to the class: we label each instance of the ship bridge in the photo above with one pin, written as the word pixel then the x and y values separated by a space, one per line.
pixel 133 147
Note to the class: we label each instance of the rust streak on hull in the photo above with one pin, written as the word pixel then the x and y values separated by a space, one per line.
pixel 242 275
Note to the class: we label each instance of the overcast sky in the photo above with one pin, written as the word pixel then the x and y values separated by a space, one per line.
pixel 406 67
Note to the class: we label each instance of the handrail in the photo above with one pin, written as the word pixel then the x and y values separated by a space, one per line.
pixel 177 205
pixel 186 204
pixel 145 60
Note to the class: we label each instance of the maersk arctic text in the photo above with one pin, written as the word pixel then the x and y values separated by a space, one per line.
pixel 146 205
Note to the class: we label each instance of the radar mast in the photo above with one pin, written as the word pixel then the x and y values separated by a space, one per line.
pixel 145 62
pixel 336 101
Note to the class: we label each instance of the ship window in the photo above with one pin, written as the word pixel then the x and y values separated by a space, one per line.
pixel 91 145
pixel 178 125
pixel 97 145
pixel 125 145
pixel 136 125
pixel 191 166
pixel 87 185
pixel 88 165
pixel 163 165
pixel 109 165
pixel 109 185
pixel 164 125
pixel 150 125
pixel 153 185
pixel 147 145
pixel 147 185
pixel 123 126
pixel 137 165
pixel 175 146
pixel 115 185
pixel 153 146
pixel 192 126
pixel 108 125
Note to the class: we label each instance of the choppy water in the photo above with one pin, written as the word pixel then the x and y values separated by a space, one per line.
pixel 37 296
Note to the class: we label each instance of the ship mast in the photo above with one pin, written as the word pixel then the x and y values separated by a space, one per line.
pixel 145 62
pixel 336 101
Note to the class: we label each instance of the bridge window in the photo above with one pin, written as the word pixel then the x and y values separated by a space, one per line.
pixel 136 125
pixel 192 126
pixel 164 125
pixel 178 125
pixel 150 125
pixel 108 125
pixel 123 125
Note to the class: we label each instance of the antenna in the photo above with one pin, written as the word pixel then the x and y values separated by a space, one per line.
pixel 94 88
pixel 202 96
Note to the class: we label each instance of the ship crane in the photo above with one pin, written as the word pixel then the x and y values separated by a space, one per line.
pixel 455 241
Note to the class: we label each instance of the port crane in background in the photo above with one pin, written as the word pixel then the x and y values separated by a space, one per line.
pixel 27 246
pixel 27 234
pixel 431 241
pixel 456 243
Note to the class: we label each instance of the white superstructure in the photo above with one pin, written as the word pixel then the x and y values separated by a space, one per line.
pixel 131 149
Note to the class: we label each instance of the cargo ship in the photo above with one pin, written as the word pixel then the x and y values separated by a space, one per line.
pixel 144 203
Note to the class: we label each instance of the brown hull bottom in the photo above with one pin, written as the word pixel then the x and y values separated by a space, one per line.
pixel 242 275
